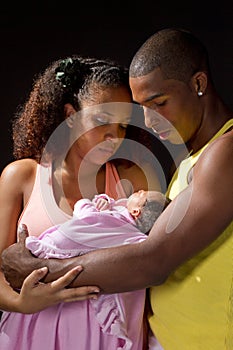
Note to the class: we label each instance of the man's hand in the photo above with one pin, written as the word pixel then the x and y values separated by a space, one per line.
pixel 17 260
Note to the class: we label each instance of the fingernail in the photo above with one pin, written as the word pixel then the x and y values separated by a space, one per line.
pixel 78 268
pixel 43 269
pixel 96 290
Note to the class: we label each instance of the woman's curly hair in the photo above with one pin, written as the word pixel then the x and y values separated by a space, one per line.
pixel 63 81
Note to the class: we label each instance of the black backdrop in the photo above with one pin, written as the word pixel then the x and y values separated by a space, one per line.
pixel 35 33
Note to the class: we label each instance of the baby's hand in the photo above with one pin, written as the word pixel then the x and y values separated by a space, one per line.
pixel 102 204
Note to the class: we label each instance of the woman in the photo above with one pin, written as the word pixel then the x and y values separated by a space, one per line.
pixel 113 321
pixel 64 135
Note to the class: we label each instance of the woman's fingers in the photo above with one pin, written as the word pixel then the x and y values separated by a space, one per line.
pixel 34 278
pixel 71 294
pixel 67 278
pixel 36 295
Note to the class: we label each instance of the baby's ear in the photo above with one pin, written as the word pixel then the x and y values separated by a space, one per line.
pixel 136 212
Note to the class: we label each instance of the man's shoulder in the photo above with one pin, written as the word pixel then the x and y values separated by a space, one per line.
pixel 217 158
pixel 222 146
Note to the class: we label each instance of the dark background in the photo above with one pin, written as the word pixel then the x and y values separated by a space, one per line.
pixel 34 34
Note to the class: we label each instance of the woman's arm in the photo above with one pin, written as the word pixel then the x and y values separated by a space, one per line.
pixel 11 203
pixel 15 183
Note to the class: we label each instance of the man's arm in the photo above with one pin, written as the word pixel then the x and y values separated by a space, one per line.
pixel 17 269
pixel 195 218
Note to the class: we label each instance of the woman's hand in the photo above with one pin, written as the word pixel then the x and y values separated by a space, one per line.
pixel 25 271
pixel 36 296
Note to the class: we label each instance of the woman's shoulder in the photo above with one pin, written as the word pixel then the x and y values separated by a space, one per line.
pixel 22 169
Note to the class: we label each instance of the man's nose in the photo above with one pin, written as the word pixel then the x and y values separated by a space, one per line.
pixel 149 118
pixel 152 118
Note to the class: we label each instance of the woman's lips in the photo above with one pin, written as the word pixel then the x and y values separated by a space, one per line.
pixel 107 150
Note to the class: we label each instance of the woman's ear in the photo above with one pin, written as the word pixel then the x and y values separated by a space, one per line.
pixel 69 112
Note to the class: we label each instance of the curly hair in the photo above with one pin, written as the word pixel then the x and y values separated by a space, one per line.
pixel 68 80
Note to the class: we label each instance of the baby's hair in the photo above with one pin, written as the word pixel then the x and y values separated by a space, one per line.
pixel 149 214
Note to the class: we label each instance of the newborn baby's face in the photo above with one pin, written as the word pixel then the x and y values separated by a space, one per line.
pixel 138 199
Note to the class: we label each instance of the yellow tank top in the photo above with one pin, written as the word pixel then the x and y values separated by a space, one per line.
pixel 193 310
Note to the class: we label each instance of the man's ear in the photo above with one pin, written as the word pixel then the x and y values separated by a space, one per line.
pixel 69 112
pixel 199 83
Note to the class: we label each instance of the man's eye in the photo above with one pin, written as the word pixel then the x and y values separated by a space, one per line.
pixel 124 126
pixel 160 104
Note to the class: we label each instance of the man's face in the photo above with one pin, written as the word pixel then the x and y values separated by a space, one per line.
pixel 170 106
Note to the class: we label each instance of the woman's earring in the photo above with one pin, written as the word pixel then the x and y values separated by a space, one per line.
pixel 70 121
pixel 200 93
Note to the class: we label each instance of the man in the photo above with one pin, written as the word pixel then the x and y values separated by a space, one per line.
pixel 187 257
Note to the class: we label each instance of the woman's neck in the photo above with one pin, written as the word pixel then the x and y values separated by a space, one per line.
pixel 75 180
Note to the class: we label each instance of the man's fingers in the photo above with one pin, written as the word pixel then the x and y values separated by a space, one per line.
pixel 22 233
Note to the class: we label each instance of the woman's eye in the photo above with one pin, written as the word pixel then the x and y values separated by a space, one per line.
pixel 101 120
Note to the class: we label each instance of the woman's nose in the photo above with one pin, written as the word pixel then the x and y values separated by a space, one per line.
pixel 115 132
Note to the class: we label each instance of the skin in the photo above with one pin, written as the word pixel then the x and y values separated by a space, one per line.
pixel 138 199
pixel 207 202
pixel 106 130
pixel 135 202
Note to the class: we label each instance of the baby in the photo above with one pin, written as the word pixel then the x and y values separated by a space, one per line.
pixel 99 219
pixel 143 206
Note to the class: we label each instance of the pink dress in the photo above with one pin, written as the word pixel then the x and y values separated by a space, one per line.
pixel 112 322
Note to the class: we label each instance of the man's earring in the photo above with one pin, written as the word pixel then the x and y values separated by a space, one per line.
pixel 200 93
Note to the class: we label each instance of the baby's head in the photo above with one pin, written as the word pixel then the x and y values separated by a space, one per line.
pixel 145 207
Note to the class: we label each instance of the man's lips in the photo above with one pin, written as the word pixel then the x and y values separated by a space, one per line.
pixel 163 135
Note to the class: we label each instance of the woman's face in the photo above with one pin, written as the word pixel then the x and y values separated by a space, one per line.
pixel 100 126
